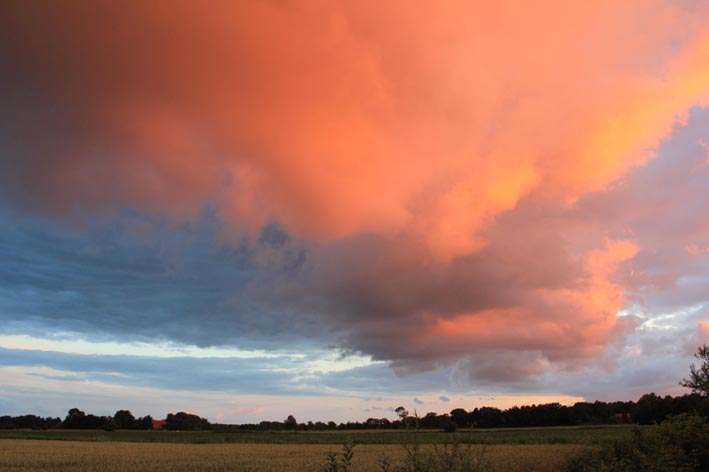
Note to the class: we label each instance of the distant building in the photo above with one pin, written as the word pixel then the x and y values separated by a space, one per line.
pixel 159 424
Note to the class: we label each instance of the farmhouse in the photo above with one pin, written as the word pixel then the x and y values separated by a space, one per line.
pixel 159 424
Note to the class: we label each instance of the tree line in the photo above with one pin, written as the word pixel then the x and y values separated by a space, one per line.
pixel 649 409
pixel 122 419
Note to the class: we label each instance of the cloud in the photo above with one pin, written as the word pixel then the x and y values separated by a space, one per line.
pixel 183 285
pixel 417 401
pixel 444 399
pixel 271 110
pixel 227 375
pixel 49 392
pixel 265 175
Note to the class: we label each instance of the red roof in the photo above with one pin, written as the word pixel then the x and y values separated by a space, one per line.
pixel 159 424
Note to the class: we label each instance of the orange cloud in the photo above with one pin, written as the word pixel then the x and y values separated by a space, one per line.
pixel 339 119
pixel 563 324
pixel 432 151
pixel 695 250
pixel 703 332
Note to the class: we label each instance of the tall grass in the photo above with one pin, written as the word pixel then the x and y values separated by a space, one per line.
pixel 448 455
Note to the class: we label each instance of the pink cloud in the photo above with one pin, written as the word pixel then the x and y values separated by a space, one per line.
pixel 460 168
pixel 338 120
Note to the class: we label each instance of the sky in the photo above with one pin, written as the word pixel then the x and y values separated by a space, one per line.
pixel 246 210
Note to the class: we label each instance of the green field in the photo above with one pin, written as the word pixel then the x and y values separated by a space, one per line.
pixel 586 435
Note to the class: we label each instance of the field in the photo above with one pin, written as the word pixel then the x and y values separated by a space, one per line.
pixel 550 435
pixel 542 449
pixel 55 456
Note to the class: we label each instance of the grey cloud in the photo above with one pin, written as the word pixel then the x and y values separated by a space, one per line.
pixel 184 284
pixel 280 375
pixel 232 375
pixel 373 294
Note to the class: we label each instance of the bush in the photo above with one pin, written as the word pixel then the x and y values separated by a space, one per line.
pixel 680 443
pixel 446 456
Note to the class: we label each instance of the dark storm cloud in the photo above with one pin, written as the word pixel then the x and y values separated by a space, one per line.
pixel 140 278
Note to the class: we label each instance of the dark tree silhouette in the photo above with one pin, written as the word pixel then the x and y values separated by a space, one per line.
pixel 146 422
pixel 182 421
pixel 402 412
pixel 124 419
pixel 291 423
pixel 698 379
pixel 460 417
pixel 77 419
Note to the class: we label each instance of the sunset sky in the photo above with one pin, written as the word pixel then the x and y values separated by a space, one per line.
pixel 247 209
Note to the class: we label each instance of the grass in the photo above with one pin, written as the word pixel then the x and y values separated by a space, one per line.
pixel 75 456
pixel 569 435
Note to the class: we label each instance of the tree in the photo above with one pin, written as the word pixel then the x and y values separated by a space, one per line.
pixel 460 417
pixel 146 422
pixel 698 379
pixel 185 422
pixel 291 423
pixel 124 419
pixel 75 419
pixel 402 412
pixel 109 424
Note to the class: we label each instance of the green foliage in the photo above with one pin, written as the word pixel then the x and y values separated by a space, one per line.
pixel 679 444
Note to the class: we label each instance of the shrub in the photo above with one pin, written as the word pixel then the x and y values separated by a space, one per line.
pixel 680 444
pixel 446 456
pixel 332 464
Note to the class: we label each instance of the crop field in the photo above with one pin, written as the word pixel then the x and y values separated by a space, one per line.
pixel 549 435
pixel 530 449
pixel 80 456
